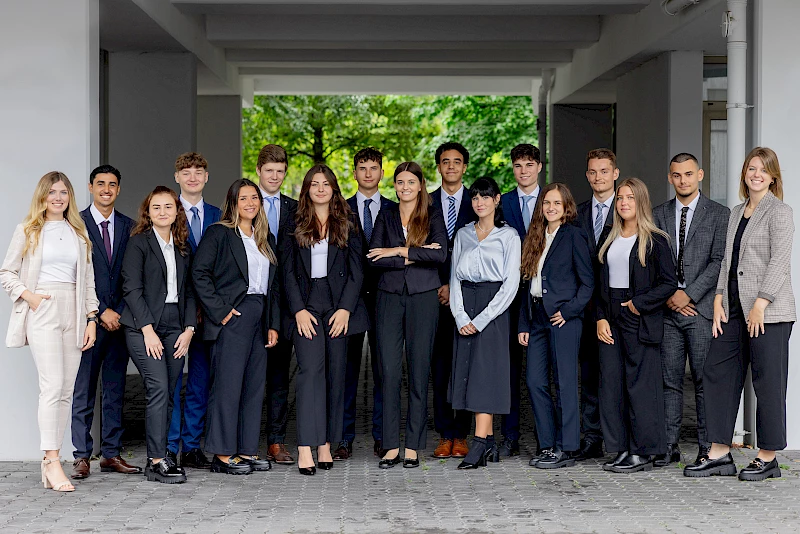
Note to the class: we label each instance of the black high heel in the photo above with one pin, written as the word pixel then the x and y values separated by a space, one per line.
pixel 325 466
pixel 479 454
pixel 492 451
pixel 308 471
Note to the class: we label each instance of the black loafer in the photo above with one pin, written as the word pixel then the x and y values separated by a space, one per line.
pixel 388 463
pixel 633 463
pixel 236 465
pixel 258 463
pixel 702 452
pixel 617 459
pixel 555 459
pixel 195 459
pixel 164 471
pixel 589 450
pixel 172 456
pixel 722 466
pixel 673 455
pixel 760 470
pixel 408 463
pixel 540 454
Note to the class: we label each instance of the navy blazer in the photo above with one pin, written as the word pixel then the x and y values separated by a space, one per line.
pixel 466 215
pixel 567 278
pixel 585 220
pixel 108 271
pixel 650 286
pixel 371 276
pixel 211 214
pixel 512 213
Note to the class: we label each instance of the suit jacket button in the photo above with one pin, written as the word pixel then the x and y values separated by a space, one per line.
pixel 544 291
pixel 740 273
pixel 544 278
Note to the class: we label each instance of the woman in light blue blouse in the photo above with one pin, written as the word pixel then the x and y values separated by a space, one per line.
pixel 484 280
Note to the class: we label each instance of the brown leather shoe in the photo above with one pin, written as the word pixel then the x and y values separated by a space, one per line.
pixel 80 468
pixel 118 465
pixel 460 448
pixel 444 449
pixel 280 455
pixel 343 452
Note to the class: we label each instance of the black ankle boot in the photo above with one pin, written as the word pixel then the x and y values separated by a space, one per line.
pixel 492 451
pixel 477 454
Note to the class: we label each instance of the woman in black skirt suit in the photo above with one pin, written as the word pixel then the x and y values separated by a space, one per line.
pixel 484 280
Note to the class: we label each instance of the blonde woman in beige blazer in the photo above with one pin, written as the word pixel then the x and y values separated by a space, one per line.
pixel 754 311
pixel 49 276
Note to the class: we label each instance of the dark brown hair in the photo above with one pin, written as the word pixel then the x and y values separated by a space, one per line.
pixel 602 153
pixel 309 227
pixel 272 154
pixel 189 160
pixel 419 224
pixel 368 154
pixel 533 247
pixel 179 228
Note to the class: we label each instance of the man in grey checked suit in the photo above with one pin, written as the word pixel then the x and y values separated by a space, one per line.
pixel 696 226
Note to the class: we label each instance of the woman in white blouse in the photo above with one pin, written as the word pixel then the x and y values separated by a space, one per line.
pixel 484 280
pixel 49 276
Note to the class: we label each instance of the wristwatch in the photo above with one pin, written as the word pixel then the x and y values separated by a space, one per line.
pixel 191 328
pixel 92 319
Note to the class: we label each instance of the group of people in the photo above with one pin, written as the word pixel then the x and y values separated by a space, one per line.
pixel 603 301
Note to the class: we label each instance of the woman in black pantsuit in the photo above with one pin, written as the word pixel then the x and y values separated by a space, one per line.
pixel 235 278
pixel 322 277
pixel 160 316
pixel 484 281
pixel 754 279
pixel 637 277
pixel 408 244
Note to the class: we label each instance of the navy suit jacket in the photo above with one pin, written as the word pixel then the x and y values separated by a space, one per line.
pixel 371 276
pixel 586 221
pixel 108 271
pixel 512 212
pixel 211 214
pixel 466 215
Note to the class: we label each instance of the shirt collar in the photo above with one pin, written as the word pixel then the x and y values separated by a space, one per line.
pixel 248 237
pixel 608 203
pixel 458 195
pixel 98 217
pixel 692 205
pixel 361 197
pixel 548 235
pixel 188 207
pixel 266 195
pixel 534 194
pixel 163 244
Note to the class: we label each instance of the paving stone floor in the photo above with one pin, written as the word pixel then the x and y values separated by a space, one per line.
pixel 356 496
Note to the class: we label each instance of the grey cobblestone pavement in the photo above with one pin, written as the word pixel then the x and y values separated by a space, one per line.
pixel 356 496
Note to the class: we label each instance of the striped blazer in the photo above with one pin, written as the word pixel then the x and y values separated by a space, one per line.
pixel 764 260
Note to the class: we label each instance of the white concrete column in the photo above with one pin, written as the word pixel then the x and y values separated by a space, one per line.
pixel 49 90
pixel 659 114
pixel 219 139
pixel 152 115
pixel 777 76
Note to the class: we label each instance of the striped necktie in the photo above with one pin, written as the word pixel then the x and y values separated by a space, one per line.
pixel 598 223
pixel 451 217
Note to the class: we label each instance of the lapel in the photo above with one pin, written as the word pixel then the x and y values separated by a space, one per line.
pixel 669 218
pixel 436 197
pixel 154 245
pixel 553 245
pixel 633 259
pixel 305 257
pixel 465 212
pixel 191 236
pixel 97 239
pixel 697 218
pixel 758 214
pixel 283 217
pixel 178 269
pixel 120 228
pixel 333 250
pixel 239 254
pixel 516 212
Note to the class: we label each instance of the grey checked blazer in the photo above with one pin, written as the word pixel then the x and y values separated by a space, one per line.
pixel 764 260
pixel 705 248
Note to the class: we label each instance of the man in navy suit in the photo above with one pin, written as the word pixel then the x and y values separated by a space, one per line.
pixel 191 174
pixel 454 201
pixel 367 202
pixel 518 205
pixel 109 231
pixel 271 168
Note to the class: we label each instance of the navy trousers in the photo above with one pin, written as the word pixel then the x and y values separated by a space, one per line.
pixel 189 428
pixel 449 423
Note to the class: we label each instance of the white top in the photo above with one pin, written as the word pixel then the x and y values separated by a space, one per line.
pixel 536 281
pixel 168 249
pixel 98 219
pixel 187 207
pixel 619 255
pixel 257 267
pixel 59 253
pixel 405 230
pixel 319 259
pixel 531 201
pixel 689 214
pixel 374 207
pixel 265 196
pixel 446 203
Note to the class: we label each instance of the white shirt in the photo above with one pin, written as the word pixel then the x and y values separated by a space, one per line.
pixel 374 207
pixel 689 214
pixel 619 255
pixel 257 267
pixel 319 259
pixel 609 204
pixel 446 203
pixel 98 218
pixel 188 209
pixel 531 201
pixel 59 253
pixel 168 249
pixel 265 196
pixel 536 281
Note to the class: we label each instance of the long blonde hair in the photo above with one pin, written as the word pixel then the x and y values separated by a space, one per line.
pixel 230 217
pixel 34 221
pixel 645 227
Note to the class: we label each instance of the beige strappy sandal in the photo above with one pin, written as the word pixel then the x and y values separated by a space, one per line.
pixel 63 486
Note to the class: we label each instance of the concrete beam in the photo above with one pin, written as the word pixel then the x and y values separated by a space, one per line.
pixel 344 54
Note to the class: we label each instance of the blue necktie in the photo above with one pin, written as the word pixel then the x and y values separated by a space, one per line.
pixel 195 225
pixel 272 217
pixel 367 219
pixel 598 223
pixel 451 217
pixel 526 211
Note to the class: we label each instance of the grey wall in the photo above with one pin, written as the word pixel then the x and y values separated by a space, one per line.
pixel 576 129
pixel 219 139
pixel 659 114
pixel 152 112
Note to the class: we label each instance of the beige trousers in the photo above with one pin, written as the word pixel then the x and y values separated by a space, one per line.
pixel 51 333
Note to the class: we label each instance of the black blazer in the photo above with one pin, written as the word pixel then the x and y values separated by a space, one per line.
pixel 144 283
pixel 285 222
pixel 466 215
pixel 585 221
pixel 371 276
pixel 567 278
pixel 423 274
pixel 220 276
pixel 108 271
pixel 345 276
pixel 651 286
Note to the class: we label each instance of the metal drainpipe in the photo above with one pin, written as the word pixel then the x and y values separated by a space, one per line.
pixel 541 123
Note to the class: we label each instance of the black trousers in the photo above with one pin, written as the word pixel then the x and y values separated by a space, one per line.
pixel 449 423
pixel 589 359
pixel 280 359
pixel 109 359
pixel 238 379
pixel 411 319
pixel 509 423
pixel 724 375
pixel 631 387
pixel 160 377
pixel 321 363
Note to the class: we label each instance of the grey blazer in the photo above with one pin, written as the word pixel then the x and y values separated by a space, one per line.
pixel 765 254
pixel 705 248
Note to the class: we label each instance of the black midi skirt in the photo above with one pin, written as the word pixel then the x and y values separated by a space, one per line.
pixel 481 377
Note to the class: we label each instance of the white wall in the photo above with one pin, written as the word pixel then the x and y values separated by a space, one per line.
pixel 49 108
pixel 777 109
